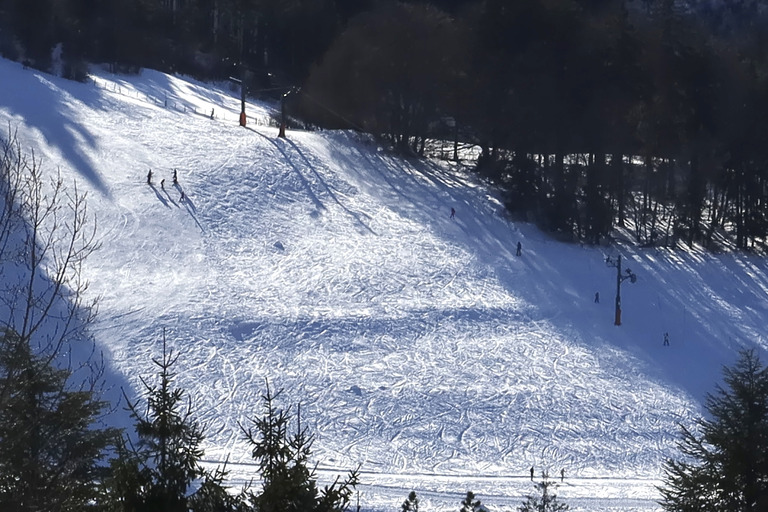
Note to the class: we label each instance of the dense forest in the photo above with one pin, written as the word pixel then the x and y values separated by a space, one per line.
pixel 590 114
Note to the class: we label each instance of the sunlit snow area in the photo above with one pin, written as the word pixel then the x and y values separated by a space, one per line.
pixel 420 347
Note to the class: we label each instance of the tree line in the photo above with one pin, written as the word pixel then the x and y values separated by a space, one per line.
pixel 646 115
pixel 205 38
pixel 591 114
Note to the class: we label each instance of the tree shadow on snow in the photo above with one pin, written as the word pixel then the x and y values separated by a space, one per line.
pixel 707 323
pixel 38 99
pixel 318 203
pixel 354 215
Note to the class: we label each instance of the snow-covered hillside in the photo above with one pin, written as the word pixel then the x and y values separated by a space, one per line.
pixel 418 346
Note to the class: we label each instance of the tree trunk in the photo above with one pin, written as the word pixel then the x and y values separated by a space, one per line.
pixel 617 165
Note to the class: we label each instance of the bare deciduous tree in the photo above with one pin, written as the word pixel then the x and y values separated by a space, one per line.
pixel 45 236
pixel 50 444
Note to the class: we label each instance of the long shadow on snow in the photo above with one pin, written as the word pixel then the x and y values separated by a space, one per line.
pixel 399 194
pixel 37 99
pixel 707 321
pixel 339 333
pixel 684 307
pixel 421 206
pixel 189 205
pixel 354 215
pixel 162 90
pixel 318 204
pixel 159 196
pixel 563 289
pixel 81 354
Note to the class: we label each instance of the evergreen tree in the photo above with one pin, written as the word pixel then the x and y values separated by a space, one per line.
pixel 158 474
pixel 212 496
pixel 725 460
pixel 288 485
pixel 126 481
pixel 545 500
pixel 51 450
pixel 470 504
pixel 169 438
pixel 411 503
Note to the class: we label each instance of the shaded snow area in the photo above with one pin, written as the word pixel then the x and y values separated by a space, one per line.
pixel 419 347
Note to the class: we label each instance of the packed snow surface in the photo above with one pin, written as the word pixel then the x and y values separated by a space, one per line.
pixel 419 347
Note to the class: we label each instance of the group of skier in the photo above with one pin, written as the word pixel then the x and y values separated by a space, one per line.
pixel 562 474
pixel 162 182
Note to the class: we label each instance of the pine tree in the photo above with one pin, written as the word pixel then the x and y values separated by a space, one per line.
pixel 212 495
pixel 158 474
pixel 411 503
pixel 725 460
pixel 545 500
pixel 169 437
pixel 470 504
pixel 288 485
pixel 287 482
pixel 51 449
pixel 126 481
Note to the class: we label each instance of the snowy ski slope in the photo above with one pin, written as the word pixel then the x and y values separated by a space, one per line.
pixel 418 346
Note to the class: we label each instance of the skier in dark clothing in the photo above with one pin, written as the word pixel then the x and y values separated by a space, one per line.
pixel 149 177
pixel 666 339
pixel 597 297
pixel 531 473
pixel 175 178
pixel 162 183
pixel 453 213
pixel 519 249
pixel 562 475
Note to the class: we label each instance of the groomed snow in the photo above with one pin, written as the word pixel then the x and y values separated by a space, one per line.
pixel 418 346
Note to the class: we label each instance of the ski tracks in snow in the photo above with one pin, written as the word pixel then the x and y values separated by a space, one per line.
pixel 418 346
pixel 410 370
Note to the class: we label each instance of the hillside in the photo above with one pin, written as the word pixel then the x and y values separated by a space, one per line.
pixel 419 346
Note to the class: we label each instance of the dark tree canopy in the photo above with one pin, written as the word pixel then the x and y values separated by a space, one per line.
pixel 51 448
pixel 392 71
pixel 590 114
